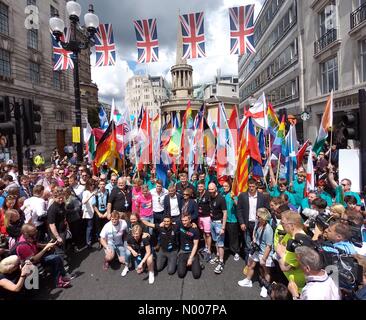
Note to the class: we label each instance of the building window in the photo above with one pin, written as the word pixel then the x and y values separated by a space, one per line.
pixel 60 116
pixel 32 39
pixel 4 18
pixel 328 18
pixel 53 11
pixel 329 75
pixel 31 2
pixel 363 60
pixel 5 63
pixel 34 71
pixel 56 80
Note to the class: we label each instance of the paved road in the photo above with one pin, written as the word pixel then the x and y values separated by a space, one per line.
pixel 92 282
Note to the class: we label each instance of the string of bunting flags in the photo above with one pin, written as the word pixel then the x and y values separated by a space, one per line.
pixel 241 38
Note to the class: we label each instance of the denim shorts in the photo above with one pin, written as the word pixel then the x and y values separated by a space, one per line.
pixel 120 251
pixel 216 227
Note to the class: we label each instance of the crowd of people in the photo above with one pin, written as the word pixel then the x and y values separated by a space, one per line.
pixel 284 239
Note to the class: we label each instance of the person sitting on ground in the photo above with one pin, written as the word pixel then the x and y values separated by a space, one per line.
pixel 138 243
pixel 112 238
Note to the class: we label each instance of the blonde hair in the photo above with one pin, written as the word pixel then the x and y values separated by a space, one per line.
pixel 136 229
pixel 8 264
pixel 264 214
pixel 292 217
pixel 338 209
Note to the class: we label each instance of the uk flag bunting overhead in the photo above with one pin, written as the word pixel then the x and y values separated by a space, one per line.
pixel 105 48
pixel 242 30
pixel 62 59
pixel 193 35
pixel 147 40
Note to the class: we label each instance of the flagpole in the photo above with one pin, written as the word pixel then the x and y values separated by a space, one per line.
pixel 278 167
pixel 330 147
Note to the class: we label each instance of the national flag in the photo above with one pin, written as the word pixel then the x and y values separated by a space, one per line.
pixel 155 138
pixel 196 152
pixel 175 142
pixel 325 126
pixel 144 136
pixel 147 40
pixel 253 150
pixel 234 128
pixel 105 48
pixel 212 124
pixel 141 114
pixel 310 177
pixel 300 154
pixel 89 141
pixel 62 59
pixel 107 147
pixel 187 134
pixel 242 30
pixel 240 183
pixel 291 147
pixel 209 143
pixel 193 35
pixel 258 113
pixel 103 120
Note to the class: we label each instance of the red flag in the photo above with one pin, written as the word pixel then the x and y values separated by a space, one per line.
pixel 300 154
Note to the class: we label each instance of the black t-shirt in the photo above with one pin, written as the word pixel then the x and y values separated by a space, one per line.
pixel 14 278
pixel 56 214
pixel 186 237
pixel 169 240
pixel 218 204
pixel 203 202
pixel 138 246
pixel 141 224
pixel 121 200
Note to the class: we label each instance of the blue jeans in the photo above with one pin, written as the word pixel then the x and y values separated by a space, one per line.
pixel 56 263
pixel 89 229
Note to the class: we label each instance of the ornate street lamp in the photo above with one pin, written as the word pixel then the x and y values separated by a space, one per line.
pixel 74 45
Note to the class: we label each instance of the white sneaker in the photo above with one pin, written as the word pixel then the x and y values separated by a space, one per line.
pixel 124 271
pixel 151 277
pixel 264 293
pixel 236 257
pixel 245 283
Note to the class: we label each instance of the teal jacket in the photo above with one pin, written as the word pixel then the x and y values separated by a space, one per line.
pixel 231 208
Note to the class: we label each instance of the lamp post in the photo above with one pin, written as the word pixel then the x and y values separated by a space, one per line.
pixel 74 45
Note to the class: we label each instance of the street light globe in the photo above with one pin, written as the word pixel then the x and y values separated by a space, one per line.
pixel 57 25
pixel 73 9
pixel 91 19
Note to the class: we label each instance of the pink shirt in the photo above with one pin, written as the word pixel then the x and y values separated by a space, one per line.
pixel 145 205
pixel 135 195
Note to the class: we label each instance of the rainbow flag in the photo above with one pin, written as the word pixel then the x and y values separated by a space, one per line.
pixel 272 117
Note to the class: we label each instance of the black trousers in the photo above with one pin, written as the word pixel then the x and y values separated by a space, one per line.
pixel 163 257
pixel 77 233
pixel 158 217
pixel 248 238
pixel 232 236
pixel 182 265
pixel 99 224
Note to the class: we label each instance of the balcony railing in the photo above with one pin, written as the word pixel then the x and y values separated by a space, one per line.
pixel 358 16
pixel 325 40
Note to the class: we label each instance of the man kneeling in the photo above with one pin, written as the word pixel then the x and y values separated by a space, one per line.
pixel 112 239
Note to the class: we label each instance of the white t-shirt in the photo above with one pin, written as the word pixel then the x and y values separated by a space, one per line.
pixel 174 208
pixel 320 288
pixel 33 208
pixel 114 234
pixel 252 207
pixel 88 210
pixel 158 199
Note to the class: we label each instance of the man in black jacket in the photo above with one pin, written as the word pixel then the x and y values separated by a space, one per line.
pixel 248 203
pixel 183 184
pixel 173 203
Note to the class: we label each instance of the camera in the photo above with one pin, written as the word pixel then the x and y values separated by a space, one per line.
pixel 321 220
pixel 254 247
pixel 299 241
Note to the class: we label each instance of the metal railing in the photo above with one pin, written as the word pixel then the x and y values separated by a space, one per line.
pixel 325 40
pixel 358 16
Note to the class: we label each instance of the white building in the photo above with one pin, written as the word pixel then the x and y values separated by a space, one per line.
pixel 147 91
pixel 225 87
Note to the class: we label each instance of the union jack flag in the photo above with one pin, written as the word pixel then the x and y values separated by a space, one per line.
pixel 242 30
pixel 62 59
pixel 147 40
pixel 105 48
pixel 193 35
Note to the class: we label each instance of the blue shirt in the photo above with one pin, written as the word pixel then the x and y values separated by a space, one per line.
pixel 345 247
pixel 102 201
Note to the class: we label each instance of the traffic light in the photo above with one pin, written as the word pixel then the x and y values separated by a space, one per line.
pixel 350 126
pixel 31 121
pixel 5 114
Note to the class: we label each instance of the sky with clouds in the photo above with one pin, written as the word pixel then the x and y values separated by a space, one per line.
pixel 120 13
